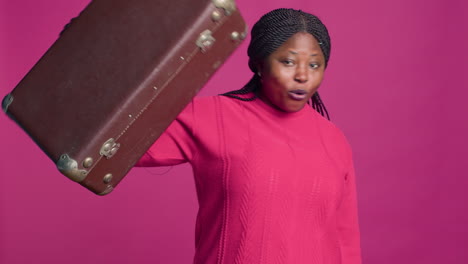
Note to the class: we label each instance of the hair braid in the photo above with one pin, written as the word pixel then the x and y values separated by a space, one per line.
pixel 269 33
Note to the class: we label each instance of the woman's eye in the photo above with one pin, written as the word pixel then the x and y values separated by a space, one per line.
pixel 314 65
pixel 287 62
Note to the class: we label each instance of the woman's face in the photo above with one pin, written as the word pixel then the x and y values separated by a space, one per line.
pixel 293 73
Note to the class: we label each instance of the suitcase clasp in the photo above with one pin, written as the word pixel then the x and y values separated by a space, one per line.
pixel 206 40
pixel 109 148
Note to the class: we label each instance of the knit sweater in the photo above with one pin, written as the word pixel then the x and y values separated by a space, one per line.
pixel 273 187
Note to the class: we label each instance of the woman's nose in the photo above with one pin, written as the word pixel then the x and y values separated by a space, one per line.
pixel 301 74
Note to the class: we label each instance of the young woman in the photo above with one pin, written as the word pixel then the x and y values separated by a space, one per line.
pixel 274 178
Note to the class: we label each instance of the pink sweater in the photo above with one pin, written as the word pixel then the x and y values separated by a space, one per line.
pixel 272 187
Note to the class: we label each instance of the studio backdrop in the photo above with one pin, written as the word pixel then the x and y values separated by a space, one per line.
pixel 396 85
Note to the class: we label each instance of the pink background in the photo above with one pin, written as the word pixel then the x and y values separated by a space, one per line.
pixel 396 84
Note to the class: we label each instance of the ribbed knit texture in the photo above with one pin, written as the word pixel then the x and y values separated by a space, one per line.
pixel 272 187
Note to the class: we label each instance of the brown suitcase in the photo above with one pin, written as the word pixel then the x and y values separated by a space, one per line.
pixel 117 77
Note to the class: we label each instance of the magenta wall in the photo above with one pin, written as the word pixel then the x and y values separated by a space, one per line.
pixel 397 85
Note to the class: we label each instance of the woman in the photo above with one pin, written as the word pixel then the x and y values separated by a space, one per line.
pixel 274 178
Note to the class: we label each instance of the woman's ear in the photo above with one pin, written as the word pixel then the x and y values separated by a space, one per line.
pixel 259 68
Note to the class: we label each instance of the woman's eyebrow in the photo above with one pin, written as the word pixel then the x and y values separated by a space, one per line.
pixel 295 53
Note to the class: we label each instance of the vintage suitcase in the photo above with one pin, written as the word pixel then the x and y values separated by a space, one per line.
pixel 117 76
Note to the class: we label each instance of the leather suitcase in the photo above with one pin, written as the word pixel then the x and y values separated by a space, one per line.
pixel 115 79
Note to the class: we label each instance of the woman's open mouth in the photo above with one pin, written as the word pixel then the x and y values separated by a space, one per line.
pixel 297 94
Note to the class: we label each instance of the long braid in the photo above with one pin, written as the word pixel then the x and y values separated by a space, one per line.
pixel 269 33
pixel 318 105
pixel 251 86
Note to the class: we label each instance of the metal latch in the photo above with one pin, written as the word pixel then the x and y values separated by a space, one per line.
pixel 206 40
pixel 109 148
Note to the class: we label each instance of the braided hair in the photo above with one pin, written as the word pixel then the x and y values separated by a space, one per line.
pixel 269 33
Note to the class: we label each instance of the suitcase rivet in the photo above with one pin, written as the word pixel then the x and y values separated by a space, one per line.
pixel 235 35
pixel 154 87
pixel 88 162
pixel 107 178
pixel 216 65
pixel 216 15
pixel 182 58
pixel 243 35
pixel 130 116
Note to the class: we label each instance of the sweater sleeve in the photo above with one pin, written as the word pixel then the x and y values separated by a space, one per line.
pixel 175 145
pixel 348 226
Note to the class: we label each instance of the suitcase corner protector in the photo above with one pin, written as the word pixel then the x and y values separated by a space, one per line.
pixel 229 6
pixel 108 189
pixel 69 167
pixel 6 102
